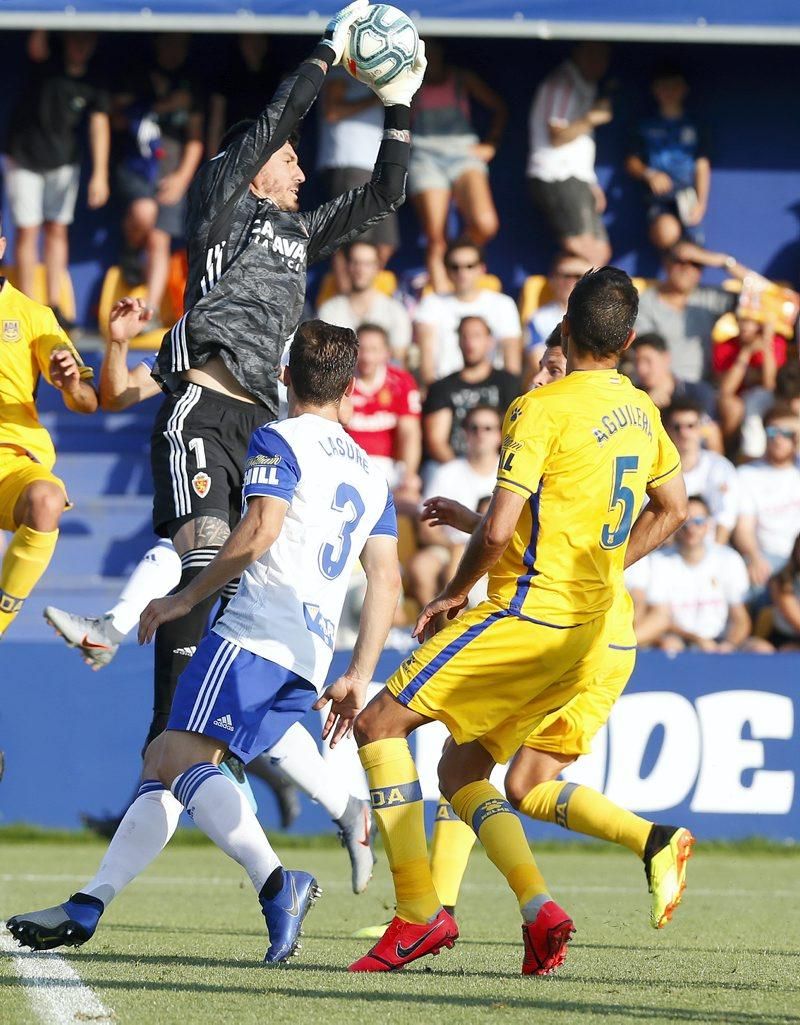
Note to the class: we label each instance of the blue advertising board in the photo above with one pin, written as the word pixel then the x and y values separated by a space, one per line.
pixel 707 20
pixel 708 741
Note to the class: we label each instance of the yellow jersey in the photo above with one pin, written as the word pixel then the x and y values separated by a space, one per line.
pixel 582 451
pixel 29 335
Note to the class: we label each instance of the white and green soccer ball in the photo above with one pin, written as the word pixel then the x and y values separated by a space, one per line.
pixel 381 45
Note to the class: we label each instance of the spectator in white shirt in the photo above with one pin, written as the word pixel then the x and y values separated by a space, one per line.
pixel 438 316
pixel 366 304
pixel 784 589
pixel 707 474
pixel 467 481
pixel 564 272
pixel 769 513
pixel 563 184
pixel 697 591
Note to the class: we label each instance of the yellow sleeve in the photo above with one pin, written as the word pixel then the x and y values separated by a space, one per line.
pixel 49 338
pixel 667 462
pixel 529 437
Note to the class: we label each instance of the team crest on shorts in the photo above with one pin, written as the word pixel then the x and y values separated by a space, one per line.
pixel 11 332
pixel 201 482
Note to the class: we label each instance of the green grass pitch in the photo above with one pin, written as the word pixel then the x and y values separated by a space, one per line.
pixel 184 944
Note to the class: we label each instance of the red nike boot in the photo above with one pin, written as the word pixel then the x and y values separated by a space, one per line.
pixel 546 940
pixel 403 942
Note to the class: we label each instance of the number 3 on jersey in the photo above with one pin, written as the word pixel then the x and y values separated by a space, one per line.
pixel 332 558
pixel 621 496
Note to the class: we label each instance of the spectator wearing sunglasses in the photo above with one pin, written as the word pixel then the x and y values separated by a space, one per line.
pixel 707 474
pixel 697 591
pixel 769 512
pixel 564 272
pixel 438 316
pixel 683 311
pixel 467 481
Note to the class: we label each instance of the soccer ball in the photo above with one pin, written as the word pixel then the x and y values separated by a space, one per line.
pixel 381 45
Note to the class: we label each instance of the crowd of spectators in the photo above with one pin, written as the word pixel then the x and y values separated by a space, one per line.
pixel 437 369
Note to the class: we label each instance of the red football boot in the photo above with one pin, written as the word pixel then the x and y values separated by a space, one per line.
pixel 546 940
pixel 403 942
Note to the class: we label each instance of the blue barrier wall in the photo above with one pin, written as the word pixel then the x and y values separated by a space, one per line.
pixel 742 94
pixel 707 741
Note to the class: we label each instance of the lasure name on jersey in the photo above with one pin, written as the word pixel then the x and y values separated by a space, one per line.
pixel 621 417
pixel 336 447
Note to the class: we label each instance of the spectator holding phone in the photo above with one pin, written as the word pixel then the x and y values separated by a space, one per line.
pixel 670 156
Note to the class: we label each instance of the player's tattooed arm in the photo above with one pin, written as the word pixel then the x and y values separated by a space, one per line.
pixel 248 541
pixel 202 532
pixel 210 532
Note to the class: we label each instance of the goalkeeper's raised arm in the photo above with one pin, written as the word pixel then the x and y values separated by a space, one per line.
pixel 336 223
pixel 245 149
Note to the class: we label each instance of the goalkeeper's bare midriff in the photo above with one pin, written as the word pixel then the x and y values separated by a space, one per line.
pixel 216 376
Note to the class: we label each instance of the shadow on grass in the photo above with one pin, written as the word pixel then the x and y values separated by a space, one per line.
pixel 653 948
pixel 629 1012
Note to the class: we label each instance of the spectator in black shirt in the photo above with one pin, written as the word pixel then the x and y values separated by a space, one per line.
pixel 250 74
pixel 44 153
pixel 158 118
pixel 478 383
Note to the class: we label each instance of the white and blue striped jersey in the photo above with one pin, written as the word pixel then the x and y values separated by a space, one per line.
pixel 289 602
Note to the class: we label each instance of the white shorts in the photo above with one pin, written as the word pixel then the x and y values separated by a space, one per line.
pixel 37 197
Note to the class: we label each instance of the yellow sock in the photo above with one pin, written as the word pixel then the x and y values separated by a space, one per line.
pixel 397 804
pixel 27 557
pixel 500 831
pixel 452 842
pixel 584 810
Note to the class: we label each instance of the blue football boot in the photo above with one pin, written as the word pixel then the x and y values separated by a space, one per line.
pixel 284 914
pixel 66 925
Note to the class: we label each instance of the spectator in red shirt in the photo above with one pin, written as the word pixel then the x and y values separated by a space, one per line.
pixel 751 350
pixel 386 414
pixel 747 370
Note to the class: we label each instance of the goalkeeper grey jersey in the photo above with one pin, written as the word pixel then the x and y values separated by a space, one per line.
pixel 247 258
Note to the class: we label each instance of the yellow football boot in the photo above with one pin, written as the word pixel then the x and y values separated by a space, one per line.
pixel 665 856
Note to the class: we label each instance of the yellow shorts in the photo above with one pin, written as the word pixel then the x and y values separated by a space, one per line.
pixel 571 729
pixel 17 471
pixel 492 676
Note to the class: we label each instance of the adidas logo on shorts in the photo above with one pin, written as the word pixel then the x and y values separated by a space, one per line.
pixel 225 722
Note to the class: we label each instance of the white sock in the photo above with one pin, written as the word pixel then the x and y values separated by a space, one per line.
pixel 221 810
pixel 143 833
pixel 298 756
pixel 156 575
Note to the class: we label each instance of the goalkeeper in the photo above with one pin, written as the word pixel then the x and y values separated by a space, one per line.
pixel 248 247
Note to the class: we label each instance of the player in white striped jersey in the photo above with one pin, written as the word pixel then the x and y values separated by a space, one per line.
pixel 313 504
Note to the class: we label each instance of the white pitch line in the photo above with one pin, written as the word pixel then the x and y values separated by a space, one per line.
pixel 697 891
pixel 54 988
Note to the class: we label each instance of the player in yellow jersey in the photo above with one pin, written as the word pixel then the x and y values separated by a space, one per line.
pixel 32 498
pixel 577 459
pixel 531 784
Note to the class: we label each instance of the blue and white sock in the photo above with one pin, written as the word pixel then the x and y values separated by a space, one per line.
pixel 145 830
pixel 220 809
